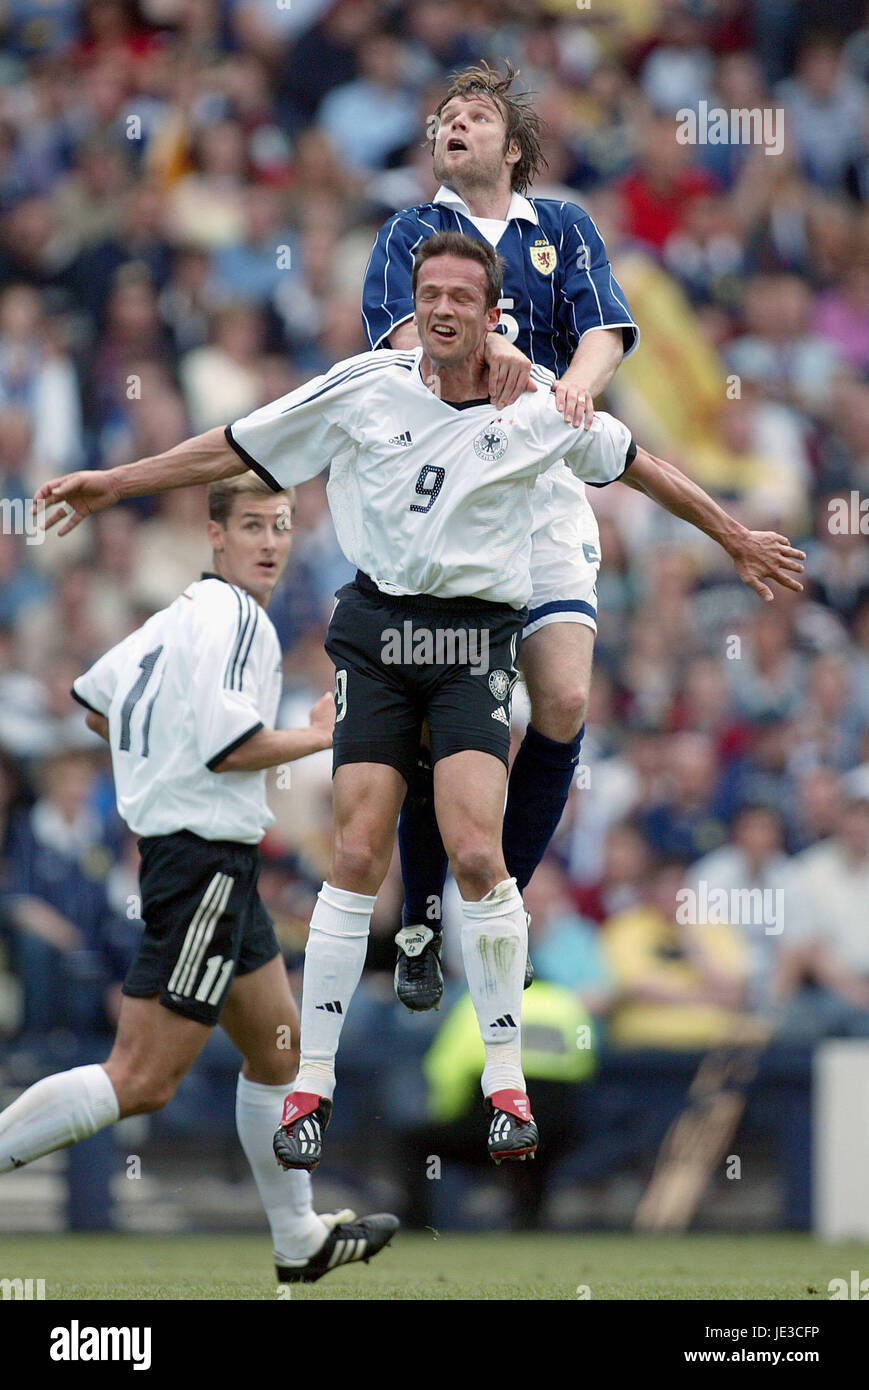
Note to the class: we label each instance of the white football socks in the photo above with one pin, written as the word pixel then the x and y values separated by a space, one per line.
pixel 297 1230
pixel 57 1111
pixel 334 957
pixel 494 947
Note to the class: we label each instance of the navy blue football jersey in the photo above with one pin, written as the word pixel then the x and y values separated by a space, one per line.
pixel 558 282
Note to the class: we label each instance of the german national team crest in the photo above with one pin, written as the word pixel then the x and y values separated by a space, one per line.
pixel 543 257
pixel 499 684
pixel 490 443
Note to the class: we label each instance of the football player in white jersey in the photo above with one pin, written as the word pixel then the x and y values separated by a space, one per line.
pixel 561 309
pixel 430 493
pixel 188 704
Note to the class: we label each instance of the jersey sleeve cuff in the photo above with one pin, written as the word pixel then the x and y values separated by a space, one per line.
pixel 231 747
pixel 87 704
pixel 630 335
pixel 629 458
pixel 251 462
pixel 381 341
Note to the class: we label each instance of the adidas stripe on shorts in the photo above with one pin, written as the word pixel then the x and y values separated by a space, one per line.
pixel 204 923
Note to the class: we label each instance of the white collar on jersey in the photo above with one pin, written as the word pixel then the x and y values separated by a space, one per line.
pixel 519 206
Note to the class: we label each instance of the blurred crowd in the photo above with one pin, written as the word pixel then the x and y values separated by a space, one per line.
pixel 190 190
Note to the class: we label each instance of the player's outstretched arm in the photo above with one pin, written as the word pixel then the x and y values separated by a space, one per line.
pixel 756 555
pixel 203 459
pixel 273 747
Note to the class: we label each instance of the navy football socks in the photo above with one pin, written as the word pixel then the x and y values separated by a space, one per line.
pixel 536 797
pixel 424 860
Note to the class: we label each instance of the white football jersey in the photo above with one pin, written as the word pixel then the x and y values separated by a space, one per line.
pixel 426 497
pixel 190 685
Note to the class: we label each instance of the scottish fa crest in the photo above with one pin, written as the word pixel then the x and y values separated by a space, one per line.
pixel 490 443
pixel 543 257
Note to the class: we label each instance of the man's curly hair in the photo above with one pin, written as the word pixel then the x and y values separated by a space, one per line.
pixel 522 121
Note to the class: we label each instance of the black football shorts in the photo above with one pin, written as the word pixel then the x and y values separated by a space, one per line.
pixel 402 660
pixel 204 923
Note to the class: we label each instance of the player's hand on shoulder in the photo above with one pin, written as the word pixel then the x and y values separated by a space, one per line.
pixel 86 492
pixel 509 371
pixel 575 402
pixel 764 555
pixel 322 717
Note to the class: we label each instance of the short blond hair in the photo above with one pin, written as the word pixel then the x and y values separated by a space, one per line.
pixel 222 494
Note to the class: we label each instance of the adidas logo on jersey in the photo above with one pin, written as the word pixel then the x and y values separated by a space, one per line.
pixel 505 1022
pixel 332 1007
pixel 500 715
pixel 401 441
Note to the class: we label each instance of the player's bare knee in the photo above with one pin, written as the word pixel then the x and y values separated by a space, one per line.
pixel 357 863
pixel 559 713
pixel 158 1093
pixel 477 866
pixel 138 1090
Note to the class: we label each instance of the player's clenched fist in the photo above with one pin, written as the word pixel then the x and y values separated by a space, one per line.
pixel 86 492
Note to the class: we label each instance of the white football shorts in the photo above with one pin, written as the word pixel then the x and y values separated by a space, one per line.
pixel 565 552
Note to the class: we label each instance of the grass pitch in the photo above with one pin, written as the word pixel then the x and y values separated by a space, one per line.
pixel 453 1267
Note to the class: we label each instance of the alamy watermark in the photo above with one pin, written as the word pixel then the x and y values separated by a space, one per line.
pixel 25 1289
pixel 77 1343
pixel 849 516
pixel 740 126
pixel 740 907
pixel 21 516
pixel 442 646
pixel 855 1288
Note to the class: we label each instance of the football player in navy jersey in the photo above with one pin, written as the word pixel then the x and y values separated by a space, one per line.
pixel 562 309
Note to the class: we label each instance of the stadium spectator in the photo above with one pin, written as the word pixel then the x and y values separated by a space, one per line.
pixel 626 863
pixel 768 677
pixel 826 109
pixel 676 985
pixel 827 954
pixel 659 190
pixel 564 947
pixel 753 873
pixel 687 822
pixel 818 808
pixel 56 902
pixel 224 376
pixel 370 118
pixel 779 349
